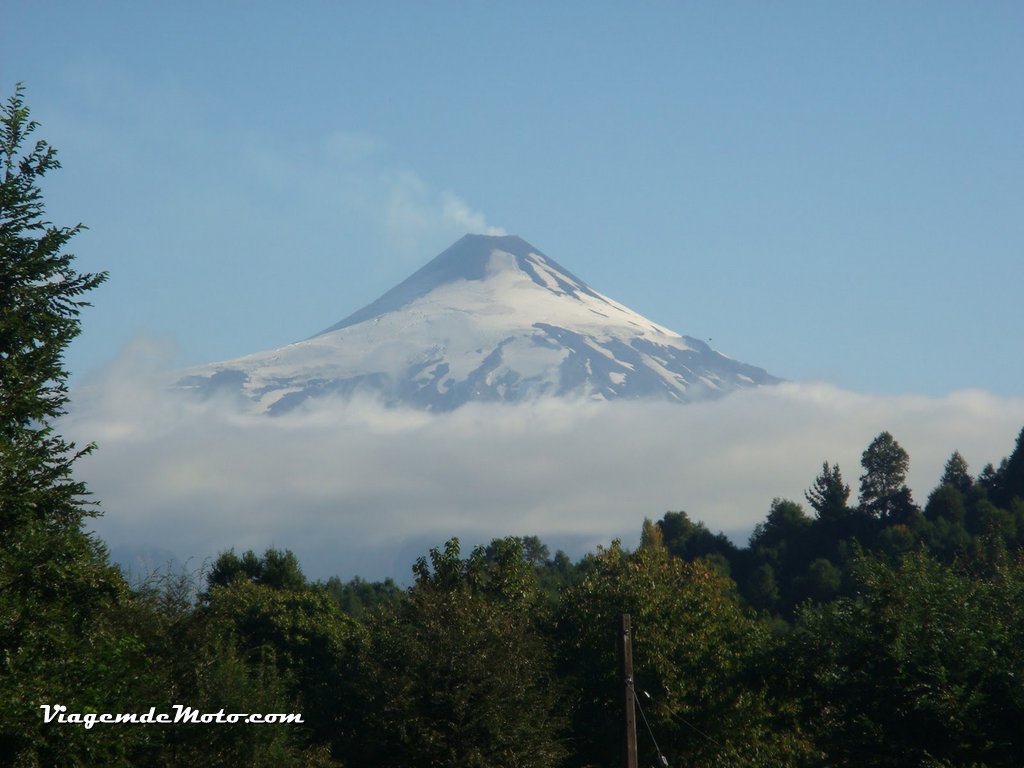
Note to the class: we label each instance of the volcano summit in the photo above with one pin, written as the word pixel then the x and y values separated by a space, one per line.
pixel 490 319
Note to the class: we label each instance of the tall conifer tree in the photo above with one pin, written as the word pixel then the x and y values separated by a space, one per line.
pixel 40 302
pixel 829 493
pixel 55 581
pixel 956 473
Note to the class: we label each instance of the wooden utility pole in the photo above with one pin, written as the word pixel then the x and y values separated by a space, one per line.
pixel 626 657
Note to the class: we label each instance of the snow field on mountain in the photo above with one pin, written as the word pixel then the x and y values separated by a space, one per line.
pixel 491 318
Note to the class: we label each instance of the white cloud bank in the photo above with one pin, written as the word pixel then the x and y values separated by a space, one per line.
pixel 354 488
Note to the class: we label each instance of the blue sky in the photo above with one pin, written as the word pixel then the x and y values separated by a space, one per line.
pixel 831 191
pixel 834 192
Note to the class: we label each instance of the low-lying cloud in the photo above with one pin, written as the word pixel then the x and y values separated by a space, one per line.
pixel 354 488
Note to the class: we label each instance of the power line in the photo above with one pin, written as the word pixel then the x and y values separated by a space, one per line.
pixel 693 727
pixel 657 749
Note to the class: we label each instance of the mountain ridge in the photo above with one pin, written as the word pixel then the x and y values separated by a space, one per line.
pixel 489 319
pixel 463 260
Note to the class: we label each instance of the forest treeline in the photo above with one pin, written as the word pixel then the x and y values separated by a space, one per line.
pixel 848 632
pixel 876 636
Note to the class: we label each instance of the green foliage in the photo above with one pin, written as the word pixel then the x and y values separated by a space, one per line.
pixel 883 490
pixel 276 569
pixel 360 598
pixel 268 625
pixel 39 288
pixel 785 523
pixel 792 558
pixel 535 551
pixel 991 480
pixel 40 302
pixel 780 549
pixel 694 651
pixel 829 494
pixel 761 588
pixel 301 633
pixel 557 574
pixel 955 473
pixel 923 668
pixel 689 540
pixel 1012 474
pixel 822 581
pixel 58 644
pixel 459 673
pixel 947 502
pixel 231 655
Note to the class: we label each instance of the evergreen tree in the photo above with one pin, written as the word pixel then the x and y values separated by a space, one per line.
pixel 946 508
pixel 1013 473
pixel 40 302
pixel 58 643
pixel 956 474
pixel 829 494
pixel 990 480
pixel 946 503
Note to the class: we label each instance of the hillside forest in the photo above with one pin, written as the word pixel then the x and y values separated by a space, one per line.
pixel 859 626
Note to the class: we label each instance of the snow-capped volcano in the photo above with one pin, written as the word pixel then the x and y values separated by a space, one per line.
pixel 490 319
